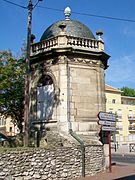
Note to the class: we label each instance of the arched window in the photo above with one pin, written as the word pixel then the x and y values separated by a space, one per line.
pixel 45 98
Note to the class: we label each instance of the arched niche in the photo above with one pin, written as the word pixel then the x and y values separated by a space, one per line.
pixel 45 98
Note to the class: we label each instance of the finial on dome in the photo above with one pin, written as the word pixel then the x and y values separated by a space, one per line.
pixel 67 13
pixel 99 33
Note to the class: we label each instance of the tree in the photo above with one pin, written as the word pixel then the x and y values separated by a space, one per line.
pixel 128 91
pixel 12 87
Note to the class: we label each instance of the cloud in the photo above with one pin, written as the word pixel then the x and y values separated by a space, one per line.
pixel 130 32
pixel 121 71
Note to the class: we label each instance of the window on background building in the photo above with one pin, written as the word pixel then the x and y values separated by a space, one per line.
pixel 120 127
pixel 121 138
pixel 110 110
pixel 113 101
pixel 131 137
pixel 130 102
pixel 10 129
pixel 2 121
pixel 130 115
pixel 119 113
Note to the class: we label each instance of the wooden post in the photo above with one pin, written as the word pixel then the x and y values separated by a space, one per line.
pixel 110 155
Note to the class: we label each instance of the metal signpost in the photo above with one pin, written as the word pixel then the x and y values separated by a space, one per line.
pixel 108 123
pixel 108 128
pixel 107 116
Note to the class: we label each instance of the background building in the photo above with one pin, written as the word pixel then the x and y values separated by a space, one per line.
pixel 124 107
pixel 7 127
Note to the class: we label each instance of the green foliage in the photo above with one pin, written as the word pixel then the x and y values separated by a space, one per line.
pixel 128 91
pixel 12 87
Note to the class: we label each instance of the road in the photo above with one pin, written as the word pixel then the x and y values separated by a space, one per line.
pixel 126 158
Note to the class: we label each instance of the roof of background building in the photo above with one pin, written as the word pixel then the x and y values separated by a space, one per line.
pixel 110 88
pixel 127 97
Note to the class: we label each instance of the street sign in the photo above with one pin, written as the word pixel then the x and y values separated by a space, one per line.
pixel 108 128
pixel 107 116
pixel 110 123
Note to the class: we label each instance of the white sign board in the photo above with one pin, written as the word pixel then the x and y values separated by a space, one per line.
pixel 107 116
pixel 108 128
pixel 110 123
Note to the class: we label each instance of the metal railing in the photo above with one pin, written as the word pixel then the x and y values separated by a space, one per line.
pixel 132 147
pixel 115 145
pixel 131 118
pixel 131 128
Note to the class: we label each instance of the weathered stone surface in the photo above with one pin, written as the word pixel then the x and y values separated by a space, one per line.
pixel 19 178
pixel 44 177
pixel 37 176
pixel 9 178
pixel 2 173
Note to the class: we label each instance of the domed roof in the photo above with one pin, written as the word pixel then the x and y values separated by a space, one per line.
pixel 73 28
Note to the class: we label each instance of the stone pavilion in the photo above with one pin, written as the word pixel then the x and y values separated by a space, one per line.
pixel 67 82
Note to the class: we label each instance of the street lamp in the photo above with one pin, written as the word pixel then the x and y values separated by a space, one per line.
pixel 27 79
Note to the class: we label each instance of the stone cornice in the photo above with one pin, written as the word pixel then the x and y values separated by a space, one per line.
pixel 88 61
pixel 87 57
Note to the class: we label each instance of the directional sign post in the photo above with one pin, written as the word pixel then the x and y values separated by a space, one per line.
pixel 108 128
pixel 110 154
pixel 107 120
pixel 108 123
pixel 107 116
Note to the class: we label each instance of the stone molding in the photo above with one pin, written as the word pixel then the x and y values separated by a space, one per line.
pixel 45 66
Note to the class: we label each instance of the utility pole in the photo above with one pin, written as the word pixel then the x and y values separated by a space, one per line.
pixel 27 77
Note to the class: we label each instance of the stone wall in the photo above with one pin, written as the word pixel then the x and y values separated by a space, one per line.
pixel 50 164
pixel 94 160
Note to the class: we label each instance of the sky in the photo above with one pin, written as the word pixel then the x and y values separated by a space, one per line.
pixel 119 36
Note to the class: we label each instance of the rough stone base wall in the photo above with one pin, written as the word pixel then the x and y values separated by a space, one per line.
pixel 51 164
pixel 94 159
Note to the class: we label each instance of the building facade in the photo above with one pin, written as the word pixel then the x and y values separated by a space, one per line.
pixel 7 127
pixel 124 108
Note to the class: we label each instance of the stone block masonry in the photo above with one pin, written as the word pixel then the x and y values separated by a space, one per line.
pixel 63 163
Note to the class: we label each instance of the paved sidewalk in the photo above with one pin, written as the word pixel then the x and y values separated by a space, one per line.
pixel 123 172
